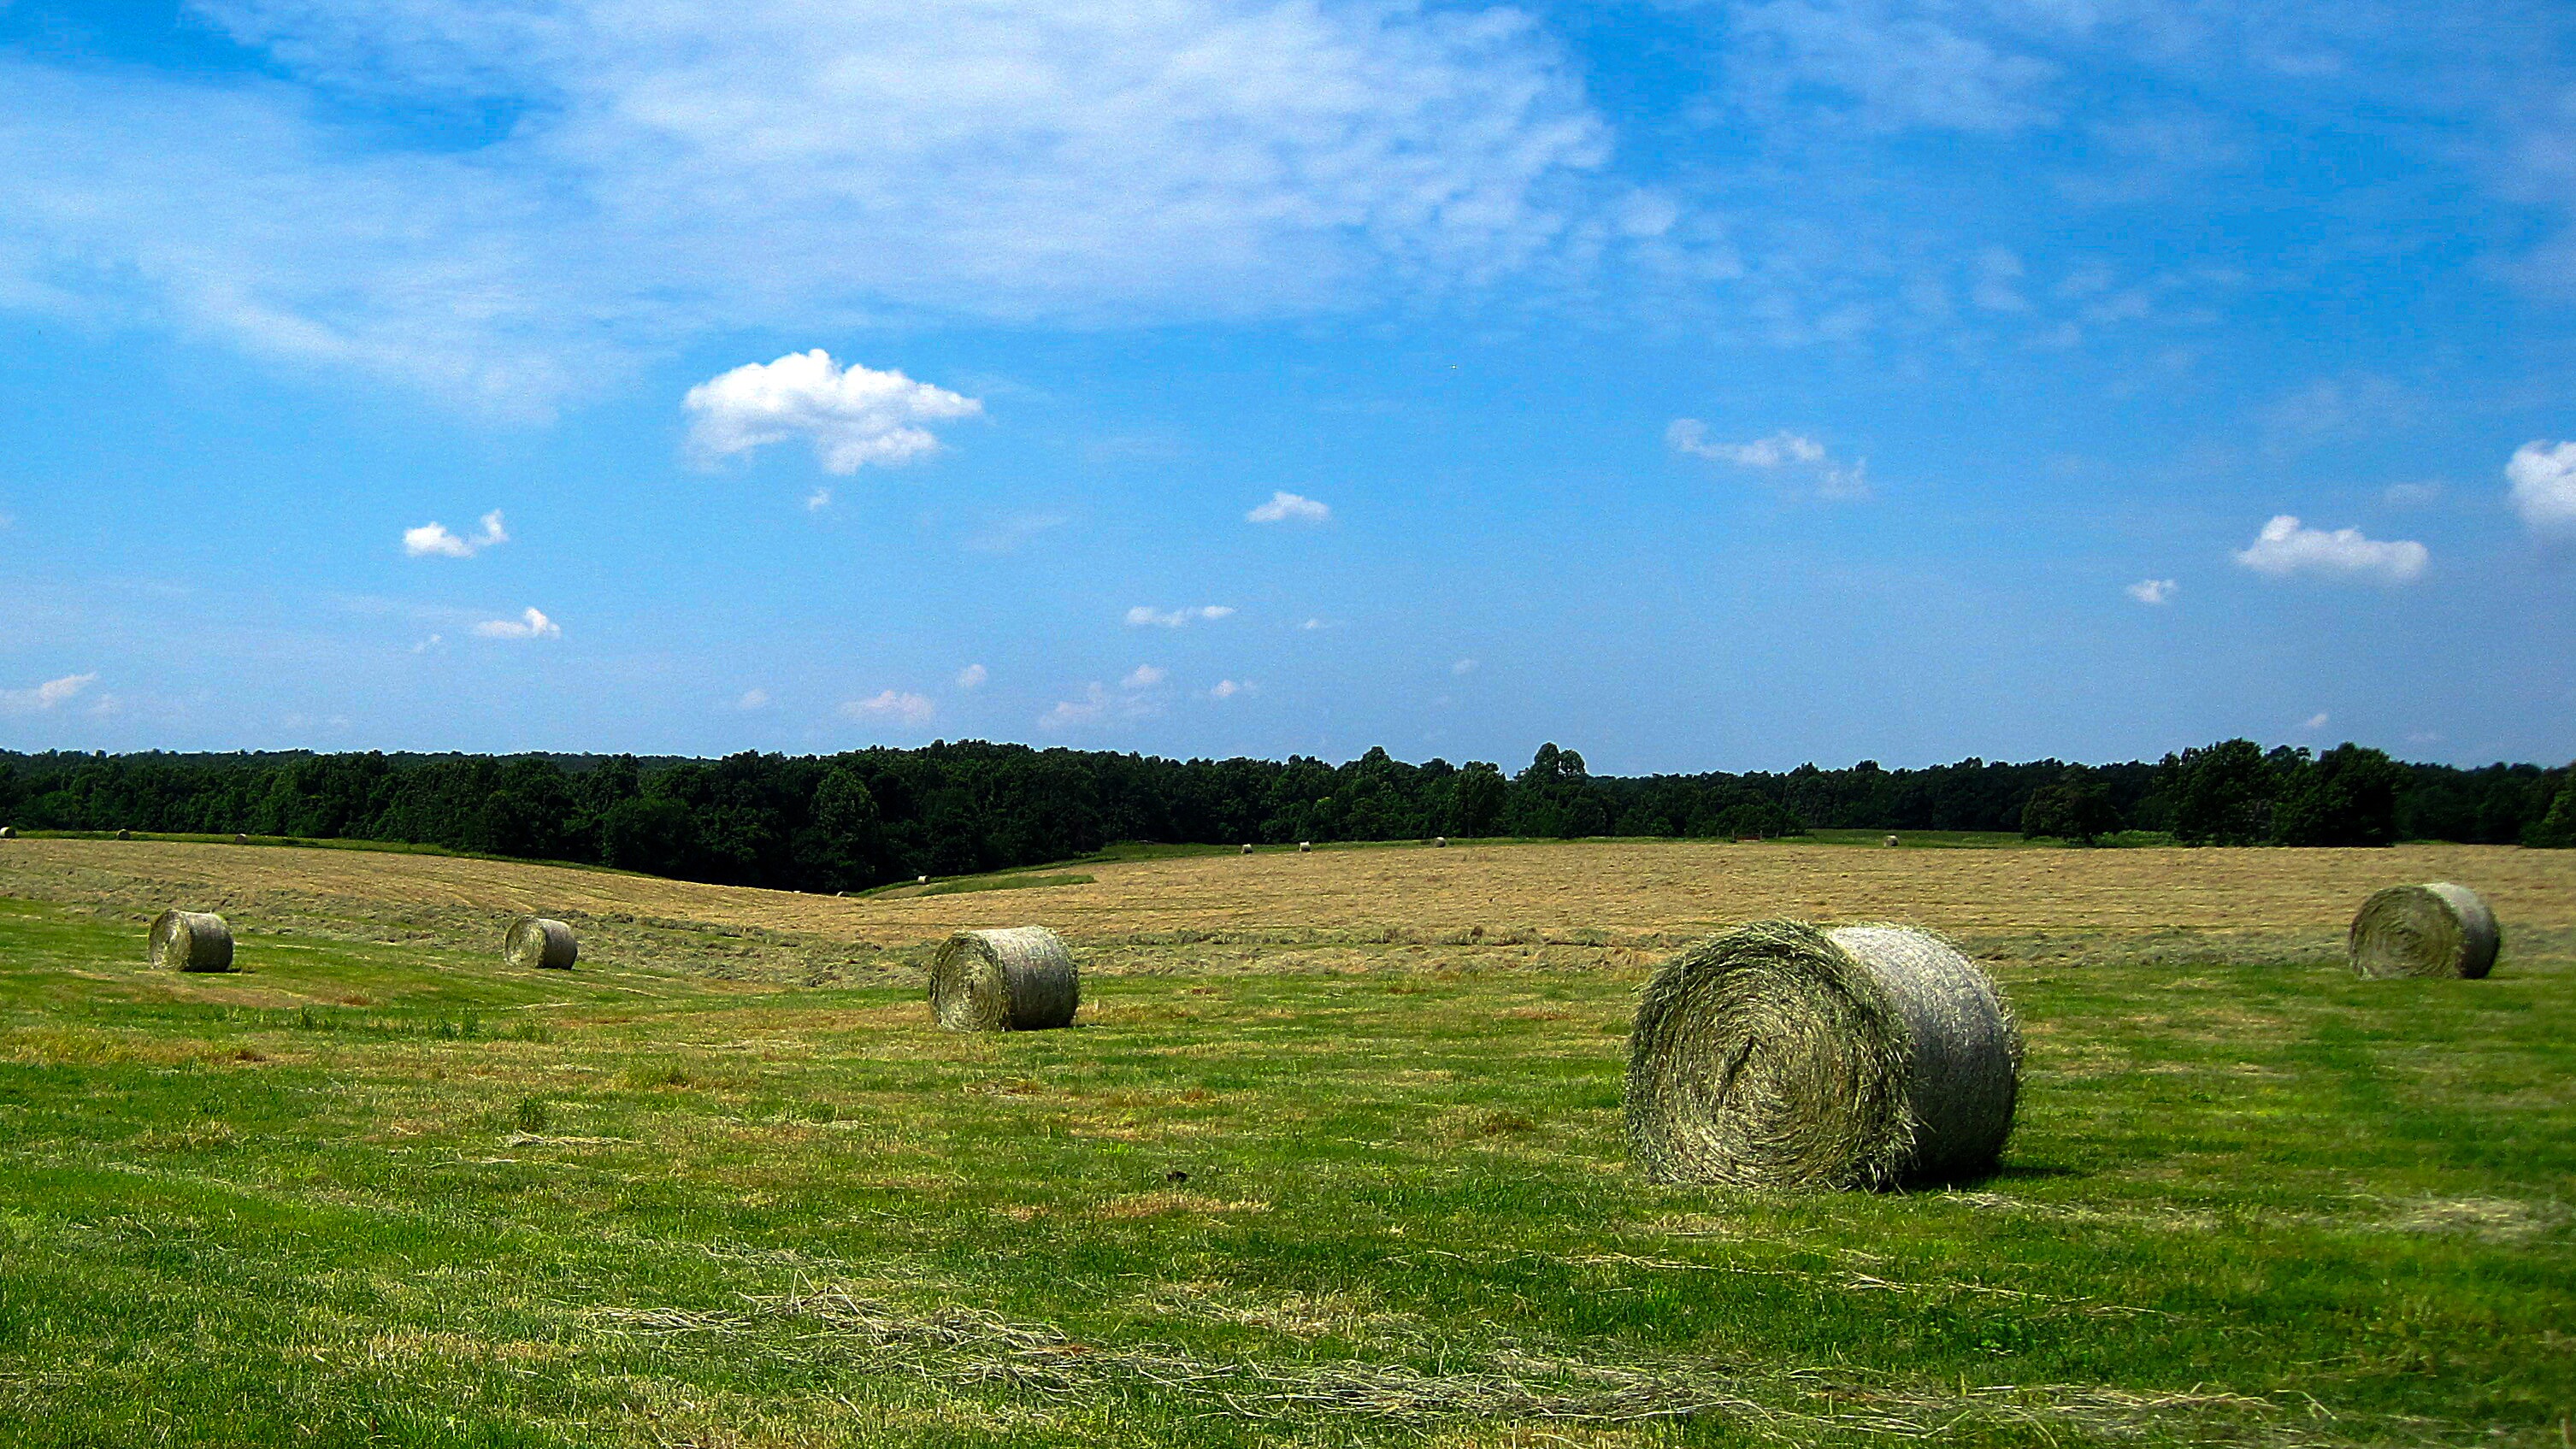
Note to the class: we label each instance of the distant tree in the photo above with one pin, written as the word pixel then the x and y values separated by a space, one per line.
pixel 1479 799
pixel 2222 794
pixel 2346 796
pixel 2557 829
pixel 651 833
pixel 2077 808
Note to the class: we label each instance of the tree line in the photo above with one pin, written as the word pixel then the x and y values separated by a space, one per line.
pixel 849 821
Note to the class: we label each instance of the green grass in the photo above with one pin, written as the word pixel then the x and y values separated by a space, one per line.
pixel 376 1194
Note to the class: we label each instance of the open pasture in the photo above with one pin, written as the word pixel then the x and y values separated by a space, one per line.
pixel 1332 1157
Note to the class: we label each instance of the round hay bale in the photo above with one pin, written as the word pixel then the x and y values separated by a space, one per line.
pixel 1778 1055
pixel 537 942
pixel 240 839
pixel 1020 978
pixel 1247 850
pixel 125 835
pixel 1305 845
pixel 921 880
pixel 1891 840
pixel 1440 840
pixel 2439 929
pixel 190 941
pixel 8 832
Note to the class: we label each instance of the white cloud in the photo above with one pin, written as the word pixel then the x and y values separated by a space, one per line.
pixel 1229 688
pixel 2544 486
pixel 2315 721
pixel 1143 676
pixel 1315 624
pixel 853 416
pixel 434 641
pixel 1142 615
pixel 2151 591
pixel 1289 508
pixel 911 709
pixel 1804 456
pixel 818 500
pixel 753 699
pixel 433 538
pixel 671 170
pixel 973 676
pixel 1890 68
pixel 1463 668
pixel 1069 713
pixel 2285 548
pixel 45 696
pixel 529 625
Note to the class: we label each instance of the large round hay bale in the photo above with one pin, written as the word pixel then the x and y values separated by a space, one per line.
pixel 2439 929
pixel 1020 978
pixel 1440 840
pixel 8 832
pixel 1780 1055
pixel 125 835
pixel 1305 845
pixel 537 942
pixel 1247 850
pixel 190 941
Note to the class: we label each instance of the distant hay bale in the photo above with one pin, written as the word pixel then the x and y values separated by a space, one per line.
pixel 1247 850
pixel 190 941
pixel 1020 978
pixel 8 832
pixel 1782 1056
pixel 1440 840
pixel 1891 840
pixel 240 839
pixel 1305 845
pixel 2424 930
pixel 534 942
pixel 921 880
pixel 125 835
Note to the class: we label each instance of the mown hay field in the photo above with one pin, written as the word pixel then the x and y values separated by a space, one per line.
pixel 1332 1157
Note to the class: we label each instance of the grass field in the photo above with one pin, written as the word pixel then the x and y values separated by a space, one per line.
pixel 1332 1158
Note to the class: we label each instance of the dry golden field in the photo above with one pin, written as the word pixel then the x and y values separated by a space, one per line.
pixel 1592 896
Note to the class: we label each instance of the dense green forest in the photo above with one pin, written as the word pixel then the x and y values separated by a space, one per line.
pixel 847 821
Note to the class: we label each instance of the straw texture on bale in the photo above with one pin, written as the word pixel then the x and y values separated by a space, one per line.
pixel 190 941
pixel 1780 1055
pixel 535 941
pixel 2427 930
pixel 1019 978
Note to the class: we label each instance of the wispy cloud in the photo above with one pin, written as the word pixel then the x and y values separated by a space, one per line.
pixel 1462 668
pixel 48 695
pixel 901 707
pixel 2315 721
pixel 1785 453
pixel 529 625
pixel 2285 548
pixel 1143 676
pixel 753 699
pixel 852 415
pixel 2151 591
pixel 2543 480
pixel 1289 508
pixel 1229 688
pixel 2411 495
pixel 818 500
pixel 973 676
pixel 1144 614
pixel 433 540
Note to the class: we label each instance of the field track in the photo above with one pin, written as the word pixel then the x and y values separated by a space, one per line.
pixel 1626 888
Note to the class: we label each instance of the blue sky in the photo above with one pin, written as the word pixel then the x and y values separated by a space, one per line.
pixel 1698 385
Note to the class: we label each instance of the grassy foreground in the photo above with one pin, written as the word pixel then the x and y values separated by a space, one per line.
pixel 400 1194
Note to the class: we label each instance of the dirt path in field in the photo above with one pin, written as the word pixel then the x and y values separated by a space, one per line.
pixel 1628 889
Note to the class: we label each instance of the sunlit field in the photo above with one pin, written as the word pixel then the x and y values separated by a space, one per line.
pixel 1332 1156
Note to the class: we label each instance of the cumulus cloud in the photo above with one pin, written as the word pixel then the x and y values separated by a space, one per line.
pixel 1801 457
pixel 2285 548
pixel 433 539
pixel 1229 688
pixel 904 708
pixel 973 676
pixel 2151 591
pixel 2544 486
pixel 1070 713
pixel 673 170
pixel 1143 614
pixel 1289 508
pixel 45 696
pixel 529 625
pixel 1143 676
pixel 818 500
pixel 852 415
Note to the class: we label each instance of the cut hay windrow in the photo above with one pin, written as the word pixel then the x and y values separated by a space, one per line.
pixel 1778 1055
pixel 1019 978
pixel 2439 929
pixel 534 942
pixel 190 941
